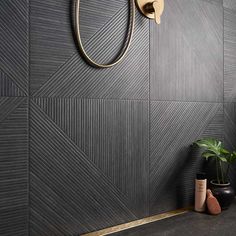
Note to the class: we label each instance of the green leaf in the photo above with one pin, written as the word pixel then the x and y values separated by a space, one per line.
pixel 224 151
pixel 232 157
pixel 208 155
pixel 223 159
pixel 210 144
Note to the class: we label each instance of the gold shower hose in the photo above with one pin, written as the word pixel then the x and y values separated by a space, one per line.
pixel 123 52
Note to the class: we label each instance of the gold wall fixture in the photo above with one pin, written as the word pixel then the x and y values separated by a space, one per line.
pixel 151 9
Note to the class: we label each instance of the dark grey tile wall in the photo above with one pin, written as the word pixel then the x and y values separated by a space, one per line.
pixel 103 39
pixel 230 78
pixel 106 132
pixel 13 166
pixel 230 55
pixel 230 4
pixel 173 165
pixel 186 78
pixel 108 146
pixel 186 52
pixel 90 159
pixel 97 146
pixel 14 126
pixel 14 46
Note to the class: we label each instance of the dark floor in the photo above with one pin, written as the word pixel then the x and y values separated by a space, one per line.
pixel 191 223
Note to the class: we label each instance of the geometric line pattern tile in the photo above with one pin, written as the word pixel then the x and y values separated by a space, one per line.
pixel 230 135
pixel 230 125
pixel 14 42
pixel 230 4
pixel 106 130
pixel 8 105
pixel 128 80
pixel 69 194
pixel 230 78
pixel 215 127
pixel 14 167
pixel 186 53
pixel 52 42
pixel 100 154
pixel 230 55
pixel 174 126
pixel 8 88
pixel 215 1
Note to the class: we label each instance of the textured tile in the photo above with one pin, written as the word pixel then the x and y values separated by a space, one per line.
pixel 186 52
pixel 215 1
pixel 13 166
pixel 74 78
pixel 8 87
pixel 230 4
pixel 14 45
pixel 173 164
pixel 230 124
pixel 52 43
pixel 88 160
pixel 229 55
pixel 230 135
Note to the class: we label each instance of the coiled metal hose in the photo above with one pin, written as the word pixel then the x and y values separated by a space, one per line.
pixel 123 52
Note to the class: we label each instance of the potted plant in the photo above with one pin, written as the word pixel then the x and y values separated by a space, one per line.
pixel 223 158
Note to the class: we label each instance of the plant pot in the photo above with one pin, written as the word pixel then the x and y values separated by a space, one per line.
pixel 224 193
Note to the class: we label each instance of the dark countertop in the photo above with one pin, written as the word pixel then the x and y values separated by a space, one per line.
pixel 191 223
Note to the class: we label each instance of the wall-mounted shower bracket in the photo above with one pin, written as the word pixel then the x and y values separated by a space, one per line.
pixel 152 9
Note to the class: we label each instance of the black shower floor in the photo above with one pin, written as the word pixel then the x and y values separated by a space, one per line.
pixel 191 223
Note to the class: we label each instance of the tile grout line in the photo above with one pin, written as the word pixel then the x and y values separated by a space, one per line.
pixel 128 99
pixel 149 120
pixel 223 35
pixel 28 104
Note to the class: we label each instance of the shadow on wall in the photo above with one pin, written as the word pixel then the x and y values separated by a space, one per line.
pixel 178 188
pixel 192 164
pixel 194 161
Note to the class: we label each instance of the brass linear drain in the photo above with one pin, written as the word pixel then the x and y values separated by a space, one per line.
pixel 137 223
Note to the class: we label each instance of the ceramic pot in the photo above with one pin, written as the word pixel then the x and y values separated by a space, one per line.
pixel 224 193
